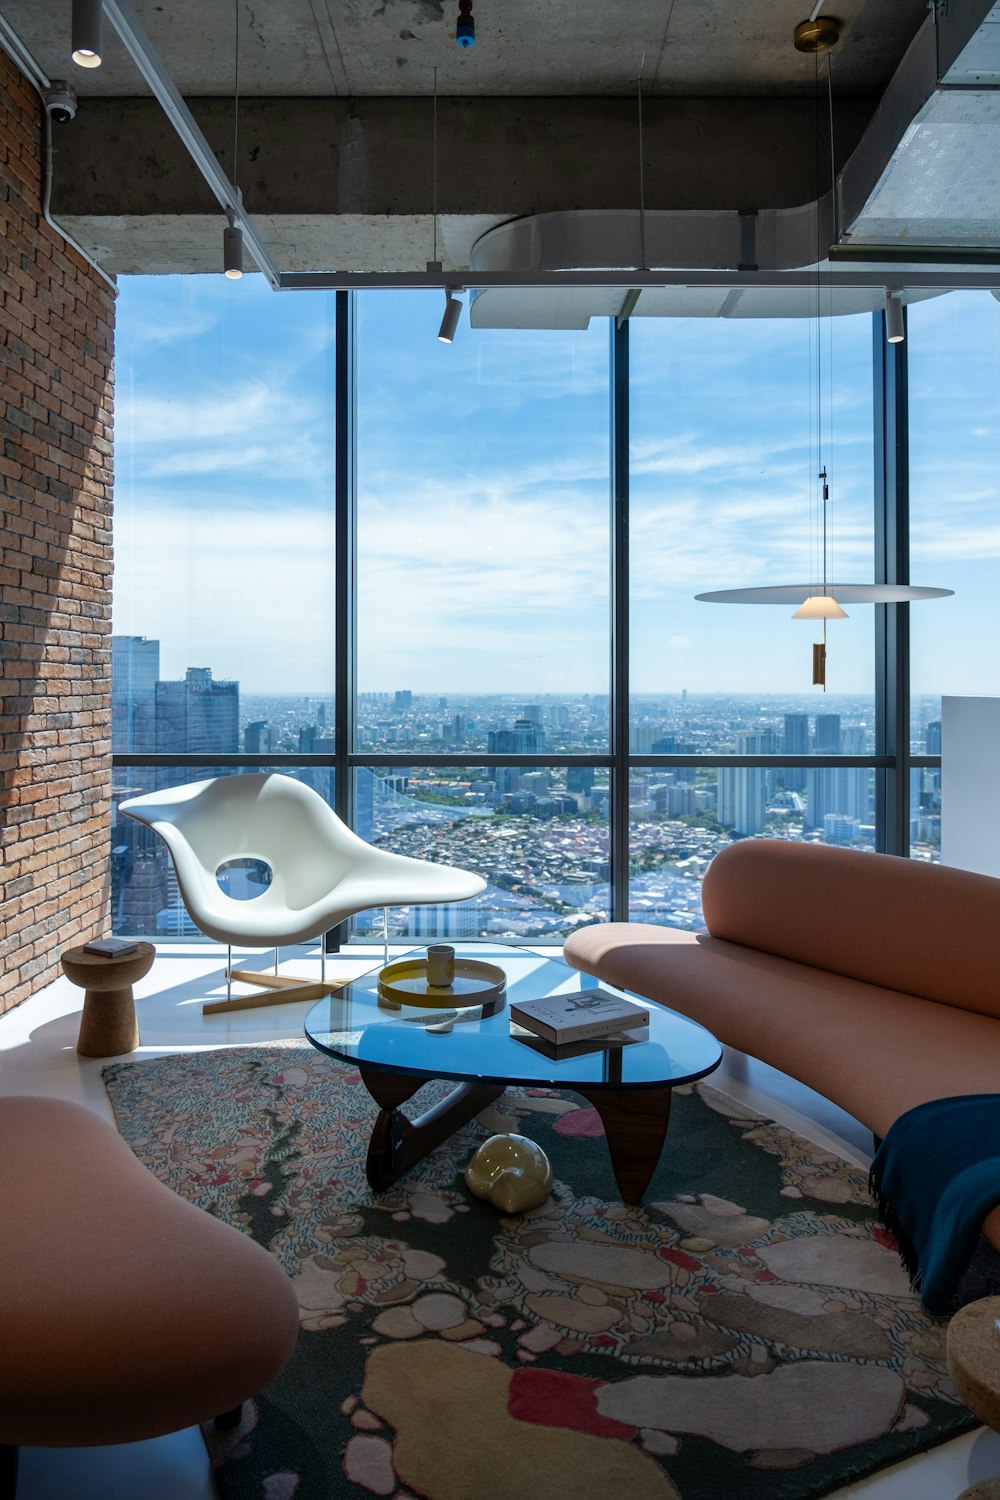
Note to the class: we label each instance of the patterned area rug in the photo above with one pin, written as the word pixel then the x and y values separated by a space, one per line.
pixel 747 1334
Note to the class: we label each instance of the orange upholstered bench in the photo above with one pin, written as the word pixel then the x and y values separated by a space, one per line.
pixel 126 1311
pixel 872 979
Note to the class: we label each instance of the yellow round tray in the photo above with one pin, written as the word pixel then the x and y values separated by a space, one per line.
pixel 475 983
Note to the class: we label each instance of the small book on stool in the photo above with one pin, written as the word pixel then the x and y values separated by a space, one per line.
pixel 111 947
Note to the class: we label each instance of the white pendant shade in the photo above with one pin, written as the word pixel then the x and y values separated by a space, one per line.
pixel 820 607
pixel 843 593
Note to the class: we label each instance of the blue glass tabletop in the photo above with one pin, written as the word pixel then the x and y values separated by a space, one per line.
pixel 479 1042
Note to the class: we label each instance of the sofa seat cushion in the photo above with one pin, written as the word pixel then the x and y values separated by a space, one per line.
pixel 875 1052
pixel 126 1311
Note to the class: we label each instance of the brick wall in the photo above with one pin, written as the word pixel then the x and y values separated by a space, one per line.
pixel 56 347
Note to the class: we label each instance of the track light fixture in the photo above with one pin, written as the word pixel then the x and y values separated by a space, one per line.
pixel 895 330
pixel 449 323
pixel 232 248
pixel 87 26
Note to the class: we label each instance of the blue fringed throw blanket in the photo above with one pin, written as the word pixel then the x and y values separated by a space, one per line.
pixel 935 1177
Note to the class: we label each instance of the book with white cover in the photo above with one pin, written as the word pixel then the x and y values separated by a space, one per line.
pixel 578 1015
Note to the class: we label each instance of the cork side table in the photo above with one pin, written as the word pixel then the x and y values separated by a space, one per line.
pixel 108 1026
pixel 974 1367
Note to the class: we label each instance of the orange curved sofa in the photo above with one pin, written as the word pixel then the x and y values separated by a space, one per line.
pixel 127 1312
pixel 870 978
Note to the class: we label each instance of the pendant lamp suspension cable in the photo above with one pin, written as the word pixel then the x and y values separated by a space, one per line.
pixel 434 167
pixel 643 265
pixel 236 98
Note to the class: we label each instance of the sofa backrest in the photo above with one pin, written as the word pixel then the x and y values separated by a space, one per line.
pixel 928 930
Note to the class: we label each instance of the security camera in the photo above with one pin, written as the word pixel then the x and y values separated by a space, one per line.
pixel 60 101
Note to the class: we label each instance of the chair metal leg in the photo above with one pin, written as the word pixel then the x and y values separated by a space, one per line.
pixel 385 936
pixel 322 958
pixel 8 1471
pixel 229 972
pixel 277 957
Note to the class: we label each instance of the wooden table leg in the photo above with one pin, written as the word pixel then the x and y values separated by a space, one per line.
pixel 635 1122
pixel 398 1143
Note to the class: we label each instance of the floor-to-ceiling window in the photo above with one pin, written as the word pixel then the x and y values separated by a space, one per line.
pixel 507 712
pixel 223 621
pixel 730 421
pixel 483 577
pixel 953 355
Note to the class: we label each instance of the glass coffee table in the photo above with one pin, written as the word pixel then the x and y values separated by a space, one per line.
pixel 397 1049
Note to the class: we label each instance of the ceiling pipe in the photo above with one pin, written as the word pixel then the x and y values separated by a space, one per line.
pixel 41 83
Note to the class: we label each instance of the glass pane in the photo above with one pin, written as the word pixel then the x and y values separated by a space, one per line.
pixel 539 838
pixel 724 494
pixel 680 819
pixel 224 498
pixel 145 900
pixel 925 813
pixel 953 345
pixel 483 533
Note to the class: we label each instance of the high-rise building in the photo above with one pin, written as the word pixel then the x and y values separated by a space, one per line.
pixel 795 741
pixel 838 829
pixel 841 790
pixel 580 780
pixel 932 738
pixel 526 738
pixel 197 715
pixel 532 711
pixel 404 699
pixel 135 669
pixel 256 738
pixel 827 738
pixel 744 791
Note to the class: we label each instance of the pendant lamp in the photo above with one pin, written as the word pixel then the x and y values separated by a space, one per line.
pixel 823 600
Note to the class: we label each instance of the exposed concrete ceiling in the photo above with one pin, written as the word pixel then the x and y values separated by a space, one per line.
pixel 388 48
pixel 335 156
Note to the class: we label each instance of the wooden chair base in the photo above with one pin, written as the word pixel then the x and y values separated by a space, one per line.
pixel 281 989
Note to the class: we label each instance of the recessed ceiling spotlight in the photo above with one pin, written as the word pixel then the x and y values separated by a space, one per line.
pixel 87 26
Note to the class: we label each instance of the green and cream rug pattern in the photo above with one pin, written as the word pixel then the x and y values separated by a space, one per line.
pixel 746 1334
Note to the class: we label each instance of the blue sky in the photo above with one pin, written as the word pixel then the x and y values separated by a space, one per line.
pixel 483 493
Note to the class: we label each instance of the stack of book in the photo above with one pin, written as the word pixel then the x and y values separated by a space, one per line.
pixel 582 1021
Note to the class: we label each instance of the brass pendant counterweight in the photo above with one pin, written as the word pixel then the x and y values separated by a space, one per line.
pixel 816 36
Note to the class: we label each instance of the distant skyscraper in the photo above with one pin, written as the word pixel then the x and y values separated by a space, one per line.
pixel 744 791
pixel 932 738
pixel 827 741
pixel 135 668
pixel 839 830
pixel 532 711
pixel 197 715
pixel 795 742
pixel 526 738
pixel 580 780
pixel 256 740
pixel 840 790
pixel 404 699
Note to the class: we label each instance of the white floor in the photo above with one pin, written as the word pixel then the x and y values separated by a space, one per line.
pixel 38 1056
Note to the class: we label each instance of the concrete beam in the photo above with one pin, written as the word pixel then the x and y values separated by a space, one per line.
pixel 119 163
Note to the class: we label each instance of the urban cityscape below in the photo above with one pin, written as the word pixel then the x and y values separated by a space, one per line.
pixel 539 835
